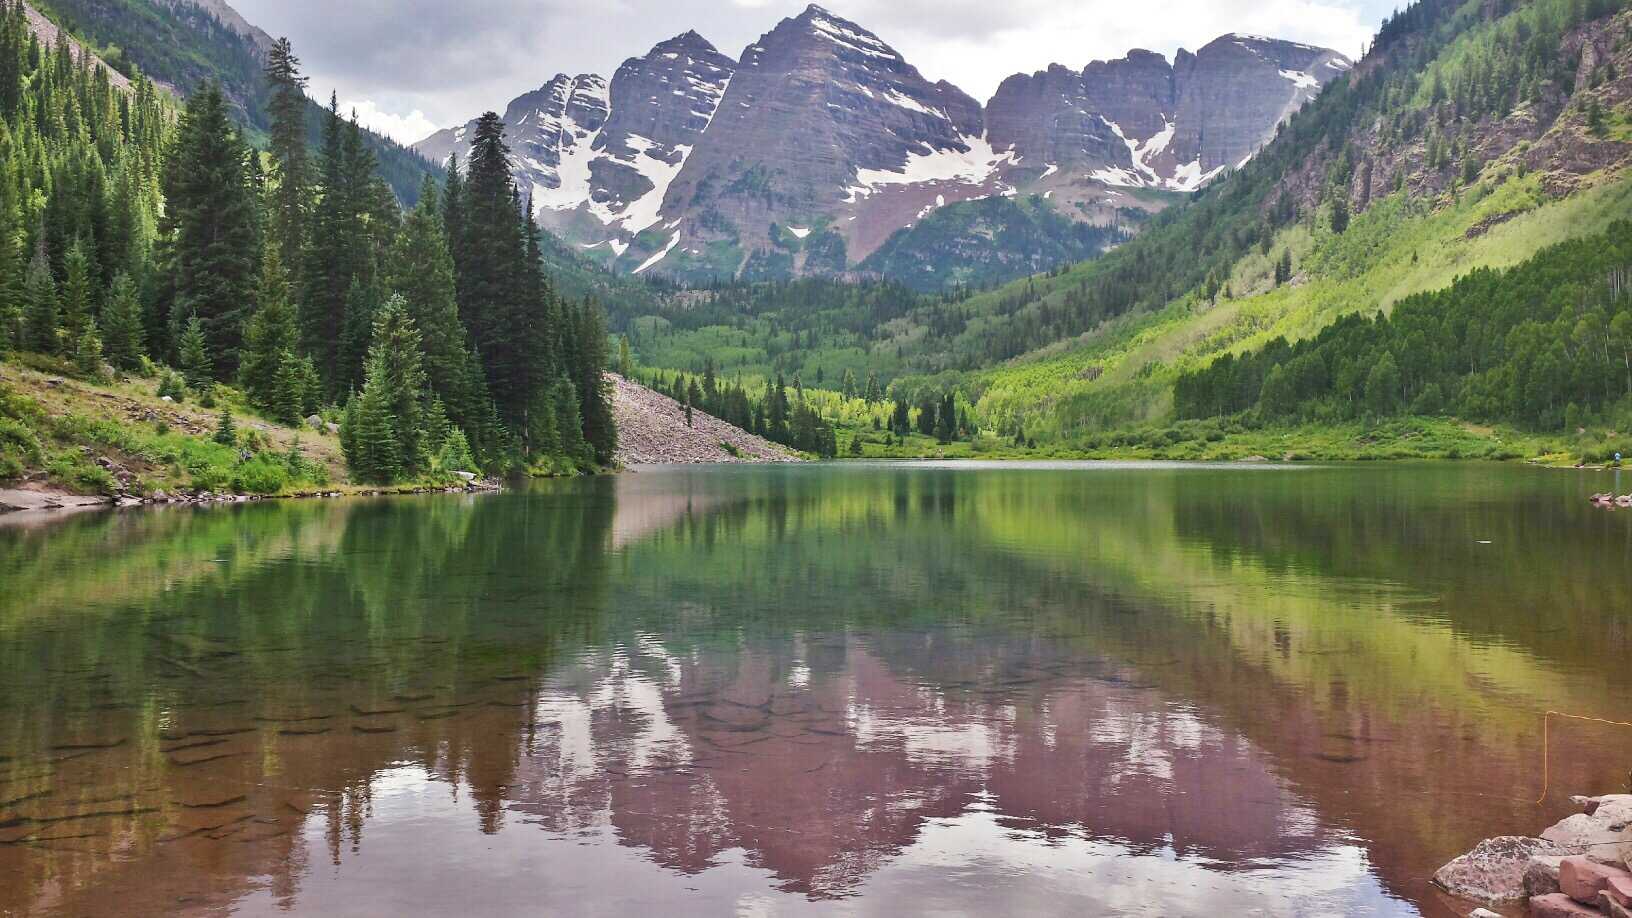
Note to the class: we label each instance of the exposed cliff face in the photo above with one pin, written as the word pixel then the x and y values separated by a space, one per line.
pixel 597 157
pixel 1235 91
pixel 823 142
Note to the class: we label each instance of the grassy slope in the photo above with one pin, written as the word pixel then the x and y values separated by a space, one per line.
pixel 162 446
pixel 1122 374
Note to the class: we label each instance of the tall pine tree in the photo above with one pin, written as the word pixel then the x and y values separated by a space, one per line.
pixel 210 227
pixel 286 141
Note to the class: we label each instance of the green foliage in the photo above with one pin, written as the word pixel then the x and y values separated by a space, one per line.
pixel 270 339
pixel 1518 346
pixel 197 367
pixel 226 431
pixel 88 355
pixel 40 321
pixel 122 331
pixel 211 233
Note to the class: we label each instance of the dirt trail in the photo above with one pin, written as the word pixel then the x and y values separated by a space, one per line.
pixel 652 429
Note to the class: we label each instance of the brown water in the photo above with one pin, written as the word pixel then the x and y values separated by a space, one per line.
pixel 857 690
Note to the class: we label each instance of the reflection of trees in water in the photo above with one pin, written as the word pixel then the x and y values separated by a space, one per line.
pixel 225 674
pixel 1509 554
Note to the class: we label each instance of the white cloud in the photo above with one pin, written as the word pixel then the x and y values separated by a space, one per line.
pixel 454 60
pixel 404 129
pixel 975 44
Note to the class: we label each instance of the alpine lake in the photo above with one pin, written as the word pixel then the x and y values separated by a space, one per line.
pixel 830 689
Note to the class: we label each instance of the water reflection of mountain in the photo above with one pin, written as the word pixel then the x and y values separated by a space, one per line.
pixel 876 687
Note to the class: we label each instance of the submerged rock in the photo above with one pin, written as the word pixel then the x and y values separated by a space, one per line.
pixel 1494 871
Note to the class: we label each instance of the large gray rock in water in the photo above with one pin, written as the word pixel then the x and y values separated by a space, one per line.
pixel 1603 833
pixel 1494 871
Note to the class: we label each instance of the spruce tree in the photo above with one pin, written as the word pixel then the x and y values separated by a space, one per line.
pixel 594 394
pixel 271 334
pixel 122 331
pixel 210 226
pixel 197 366
pixel 497 288
pixel 40 331
pixel 77 301
pixel 13 283
pixel 374 454
pixel 396 375
pixel 420 270
pixel 286 141
pixel 295 388
pixel 226 432
pixel 332 257
pixel 88 355
pixel 455 455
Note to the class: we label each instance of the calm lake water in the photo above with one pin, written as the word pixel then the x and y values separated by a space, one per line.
pixel 856 690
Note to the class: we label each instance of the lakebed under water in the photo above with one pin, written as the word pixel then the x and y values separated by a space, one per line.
pixel 833 689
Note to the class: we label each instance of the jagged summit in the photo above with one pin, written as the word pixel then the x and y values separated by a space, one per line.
pixel 821 141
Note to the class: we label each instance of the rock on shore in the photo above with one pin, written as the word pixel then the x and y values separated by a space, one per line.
pixel 652 429
pixel 1578 867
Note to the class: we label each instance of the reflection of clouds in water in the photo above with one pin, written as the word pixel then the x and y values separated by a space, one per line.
pixel 1150 737
pixel 972 746
pixel 980 862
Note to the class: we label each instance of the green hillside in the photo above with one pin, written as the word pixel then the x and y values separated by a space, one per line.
pixel 185 46
pixel 1473 135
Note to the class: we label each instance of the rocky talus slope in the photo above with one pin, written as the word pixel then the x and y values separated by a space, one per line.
pixel 652 429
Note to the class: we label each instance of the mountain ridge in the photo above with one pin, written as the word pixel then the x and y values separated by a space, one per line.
pixel 821 142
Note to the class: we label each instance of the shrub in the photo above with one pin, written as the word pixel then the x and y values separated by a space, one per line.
pixel 19 448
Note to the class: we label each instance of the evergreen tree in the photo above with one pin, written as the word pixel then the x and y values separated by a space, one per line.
pixel 194 354
pixel 40 331
pixel 594 394
pixel 396 375
pixel 78 298
pixel 455 455
pixel 295 388
pixel 497 288
pixel 88 354
pixel 573 445
pixel 210 227
pixel 333 259
pixel 226 431
pixel 420 270
pixel 286 141
pixel 370 433
pixel 272 333
pixel 13 278
pixel 122 332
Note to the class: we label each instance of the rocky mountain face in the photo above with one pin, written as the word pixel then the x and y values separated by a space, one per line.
pixel 822 143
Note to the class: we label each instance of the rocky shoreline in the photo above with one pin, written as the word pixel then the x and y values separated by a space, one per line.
pixel 1581 867
pixel 29 502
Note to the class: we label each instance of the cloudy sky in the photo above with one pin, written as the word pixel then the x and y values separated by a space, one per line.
pixel 411 66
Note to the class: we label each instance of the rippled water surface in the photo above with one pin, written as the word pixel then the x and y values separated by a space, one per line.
pixel 857 690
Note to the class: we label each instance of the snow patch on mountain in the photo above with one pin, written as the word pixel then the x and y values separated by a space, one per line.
pixel 974 165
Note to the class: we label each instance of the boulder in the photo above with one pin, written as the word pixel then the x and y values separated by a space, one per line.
pixel 1619 891
pixel 1558 905
pixel 1494 871
pixel 315 423
pixel 1583 879
pixel 1612 908
pixel 1541 875
pixel 467 476
pixel 1601 832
